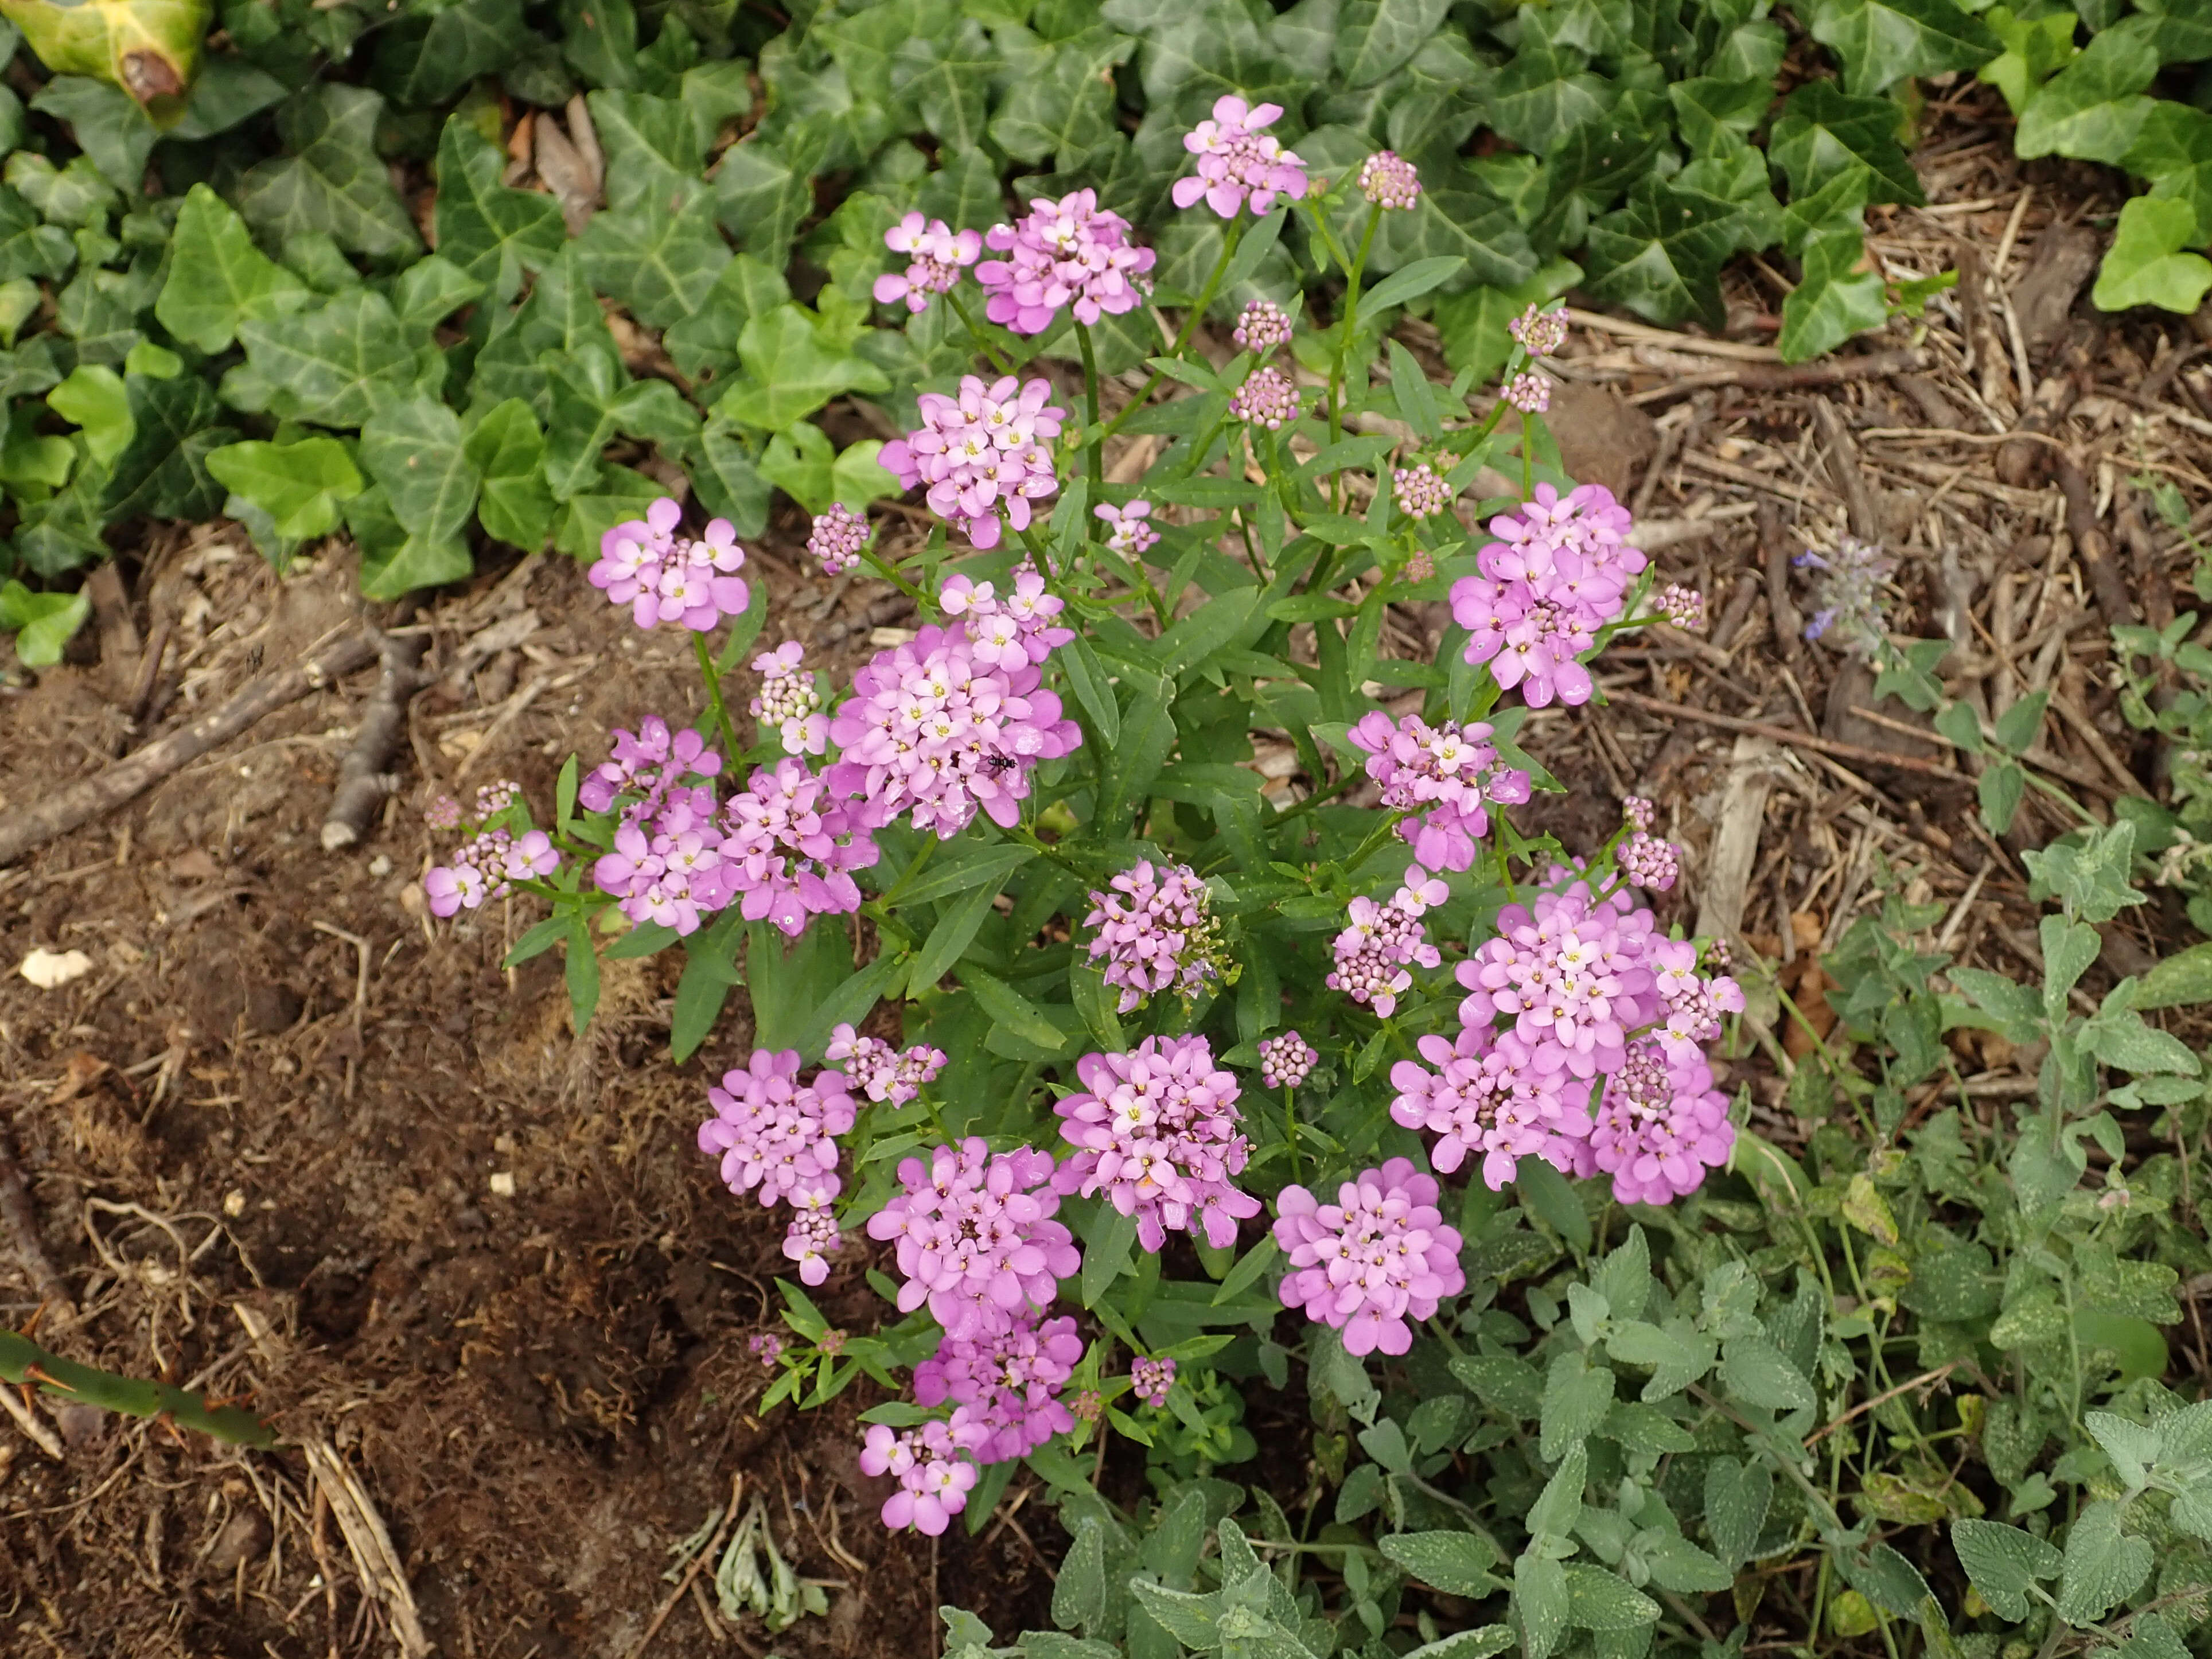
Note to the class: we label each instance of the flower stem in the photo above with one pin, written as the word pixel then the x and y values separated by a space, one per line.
pixel 1096 451
pixel 1351 323
pixel 999 360
pixel 1189 327
pixel 729 735
pixel 876 563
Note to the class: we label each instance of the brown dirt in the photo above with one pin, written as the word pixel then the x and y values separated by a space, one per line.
pixel 379 1188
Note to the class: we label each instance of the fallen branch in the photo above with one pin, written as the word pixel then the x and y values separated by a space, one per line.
pixel 1797 377
pixel 1849 751
pixel 2092 545
pixel 21 1222
pixel 33 828
pixel 363 784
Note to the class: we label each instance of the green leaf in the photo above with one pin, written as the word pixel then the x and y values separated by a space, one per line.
pixel 599 39
pixel 2102 1566
pixel 508 451
pixel 1833 300
pixel 2093 109
pixel 1411 282
pixel 43 622
pixel 762 195
pixel 2036 48
pixel 653 147
pixel 332 181
pixel 301 485
pixel 2092 879
pixel 1824 130
pixel 1641 1428
pixel 1883 43
pixel 162 472
pixel 1106 1257
pixel 1677 1354
pixel 789 374
pixel 581 973
pixel 1715 115
pixel 1599 1600
pixel 590 405
pixel 2173 151
pixel 947 81
pixel 96 400
pixel 1756 1371
pixel 1457 1562
pixel 1541 1598
pixel 1737 1498
pixel 1079 1593
pixel 28 245
pixel 949 940
pixel 334 364
pixel 1546 1195
pixel 74 196
pixel 1544 92
pixel 489 231
pixel 1661 255
pixel 423 62
pixel 107 125
pixel 393 562
pixel 1576 1395
pixel 414 449
pixel 1484 1641
pixel 1376 38
pixel 1010 1008
pixel 662 258
pixel 2182 979
pixel 1062 108
pixel 789 978
pixel 2145 265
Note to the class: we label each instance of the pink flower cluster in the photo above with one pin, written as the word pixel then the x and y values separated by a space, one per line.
pixel 1685 607
pixel 881 1072
pixel 651 764
pixel 1494 1095
pixel 1539 332
pixel 666 578
pixel 1649 862
pixel 1152 1380
pixel 1529 393
pixel 484 866
pixel 1014 632
pixel 1071 252
pixel 1446 776
pixel 1640 813
pixel 1660 1126
pixel 836 536
pixel 1389 180
pixel 1156 932
pixel 1285 1061
pixel 810 1238
pixel 1420 493
pixel 934 730
pixel 1267 398
pixel 789 701
pixel 776 1134
pixel 980 453
pixel 1132 534
pixel 936 255
pixel 933 1468
pixel 1239 162
pixel 1157 1132
pixel 976 1237
pixel 1558 572
pixel 1385 940
pixel 1261 326
pixel 1373 1262
pixel 1009 1383
pixel 790 844
pixel 1572 976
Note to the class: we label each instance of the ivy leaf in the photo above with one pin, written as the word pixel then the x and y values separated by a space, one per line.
pixel 561 317
pixel 1065 107
pixel 301 485
pixel 507 450
pixel 2146 265
pixel 2173 151
pixel 413 450
pixel 334 365
pixel 1545 92
pixel 30 247
pixel 43 622
pixel 652 146
pixel 422 62
pixel 659 259
pixel 95 400
pixel 1882 43
pixel 217 277
pixel 2093 109
pixel 333 181
pixel 1833 300
pixel 492 233
pixel 705 341
pixel 591 406
pixel 1714 115
pixel 430 291
pixel 106 123
pixel 1661 255
pixel 1825 130
pixel 393 562
pixel 819 107
pixel 163 469
pixel 789 372
pixel 2036 48
pixel 1376 38
pixel 947 81
pixel 598 40
pixel 72 196
pixel 729 483
pixel 1197 52
pixel 762 192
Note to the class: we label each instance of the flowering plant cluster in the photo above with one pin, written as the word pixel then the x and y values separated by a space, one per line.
pixel 1052 993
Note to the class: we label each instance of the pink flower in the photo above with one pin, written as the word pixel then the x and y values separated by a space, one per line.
pixel 1152 1380
pixel 1261 326
pixel 1385 940
pixel 812 1236
pixel 1388 180
pixel 1009 1381
pixel 665 578
pixel 1567 973
pixel 789 846
pixel 1650 862
pixel 1377 1259
pixel 836 536
pixel 976 1240
pixel 1420 493
pixel 1539 332
pixel 1156 1131
pixel 1446 776
pixel 881 1072
pixel 937 254
pixel 1660 1127
pixel 981 454
pixel 777 1134
pixel 1267 398
pixel 1685 607
pixel 1529 393
pixel 1238 162
pixel 1557 573
pixel 1063 253
pixel 649 765
pixel 1154 933
pixel 789 701
pixel 1133 532
pixel 1285 1061
pixel 1494 1095
pixel 933 1467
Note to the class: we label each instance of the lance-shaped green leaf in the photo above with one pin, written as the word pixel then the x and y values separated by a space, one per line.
pixel 217 277
pixel 491 232
pixel 24 1364
pixel 414 449
pixel 332 181
pixel 299 485
pixel 148 48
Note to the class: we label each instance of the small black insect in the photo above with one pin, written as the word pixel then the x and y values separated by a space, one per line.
pixel 997 763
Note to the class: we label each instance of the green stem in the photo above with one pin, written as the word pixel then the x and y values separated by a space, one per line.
pixel 999 360
pixel 1096 451
pixel 729 734
pixel 1351 323
pixel 1290 1128
pixel 24 1362
pixel 1189 327
pixel 876 563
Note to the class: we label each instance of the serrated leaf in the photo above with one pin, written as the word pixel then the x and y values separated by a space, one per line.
pixel 1756 1371
pixel 1677 1565
pixel 2102 1565
pixel 1601 1601
pixel 1540 1597
pixel 1737 1498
